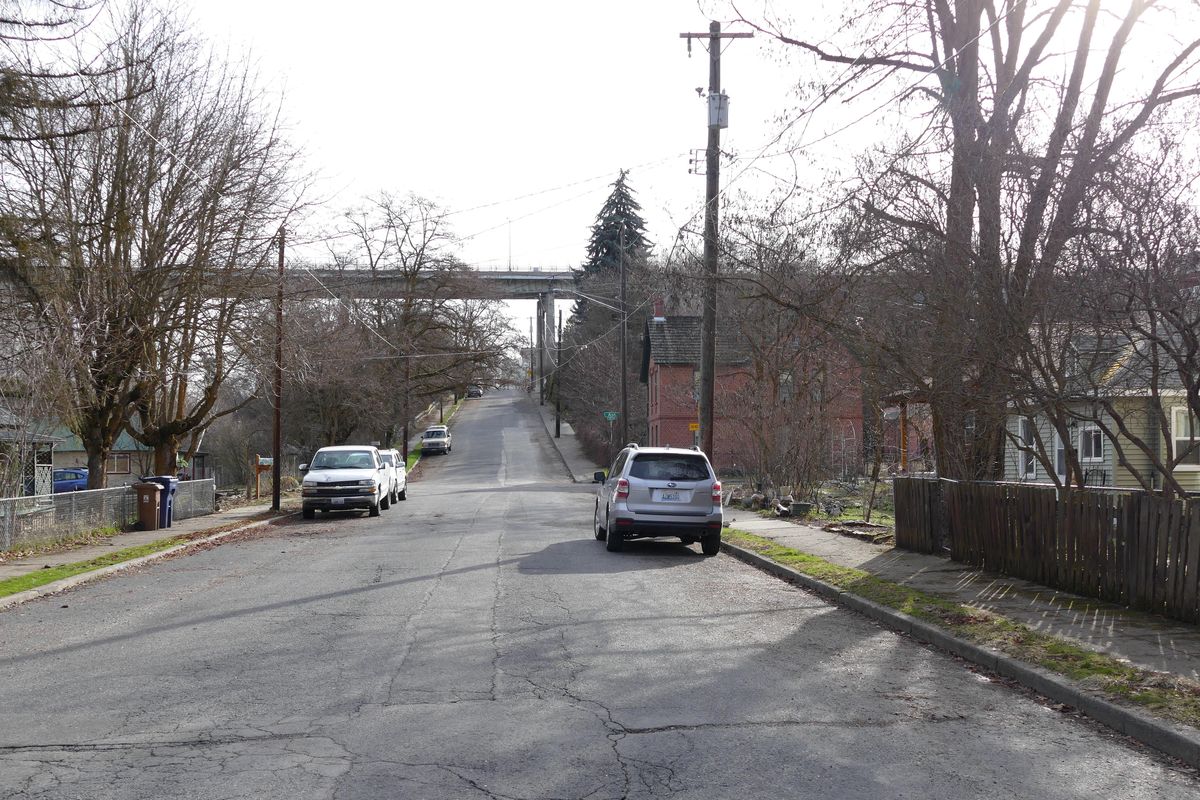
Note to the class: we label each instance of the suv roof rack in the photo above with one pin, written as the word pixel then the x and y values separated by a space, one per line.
pixel 696 447
pixel 634 445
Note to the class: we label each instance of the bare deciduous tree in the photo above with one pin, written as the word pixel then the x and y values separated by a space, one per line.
pixel 977 213
pixel 135 236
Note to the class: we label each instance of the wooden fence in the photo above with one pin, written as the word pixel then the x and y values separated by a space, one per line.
pixel 1130 547
pixel 919 521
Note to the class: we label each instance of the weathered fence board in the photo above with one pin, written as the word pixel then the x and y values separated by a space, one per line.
pixel 1125 547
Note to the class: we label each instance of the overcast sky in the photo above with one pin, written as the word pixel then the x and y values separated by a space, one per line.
pixel 517 116
pixel 476 103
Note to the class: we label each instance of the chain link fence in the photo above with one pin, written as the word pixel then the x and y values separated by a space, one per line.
pixel 44 519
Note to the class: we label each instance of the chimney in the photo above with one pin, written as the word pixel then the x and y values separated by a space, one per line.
pixel 659 314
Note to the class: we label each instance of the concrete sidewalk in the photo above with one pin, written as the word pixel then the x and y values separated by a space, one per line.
pixel 22 566
pixel 1145 640
pixel 578 465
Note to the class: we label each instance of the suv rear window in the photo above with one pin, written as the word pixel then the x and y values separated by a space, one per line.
pixel 669 467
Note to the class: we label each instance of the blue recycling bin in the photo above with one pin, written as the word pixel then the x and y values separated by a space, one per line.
pixel 166 508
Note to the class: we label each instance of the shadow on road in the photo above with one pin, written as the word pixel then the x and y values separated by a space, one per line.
pixel 588 557
pixel 552 488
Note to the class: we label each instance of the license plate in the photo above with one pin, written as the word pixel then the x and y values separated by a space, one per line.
pixel 670 496
pixel 337 501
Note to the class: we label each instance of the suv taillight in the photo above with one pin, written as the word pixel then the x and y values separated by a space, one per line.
pixel 622 489
pixel 716 492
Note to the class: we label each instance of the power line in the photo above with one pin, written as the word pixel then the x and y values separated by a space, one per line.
pixel 561 187
pixel 812 107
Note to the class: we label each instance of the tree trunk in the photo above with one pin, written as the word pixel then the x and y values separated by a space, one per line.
pixel 165 457
pixel 97 462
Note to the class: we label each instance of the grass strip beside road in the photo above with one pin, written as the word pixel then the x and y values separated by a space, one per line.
pixel 1168 696
pixel 42 577
pixel 94 536
pixel 414 455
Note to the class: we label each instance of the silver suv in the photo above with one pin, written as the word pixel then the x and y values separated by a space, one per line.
pixel 659 491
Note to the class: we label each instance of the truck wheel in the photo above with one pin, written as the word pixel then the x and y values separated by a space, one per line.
pixel 402 494
pixel 309 513
pixel 374 509
pixel 385 502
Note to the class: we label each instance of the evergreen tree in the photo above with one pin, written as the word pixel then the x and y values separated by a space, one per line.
pixel 590 378
pixel 619 213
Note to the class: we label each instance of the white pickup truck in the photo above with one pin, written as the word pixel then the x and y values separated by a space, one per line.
pixel 344 478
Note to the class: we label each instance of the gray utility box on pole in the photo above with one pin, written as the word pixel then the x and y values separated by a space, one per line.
pixel 718 110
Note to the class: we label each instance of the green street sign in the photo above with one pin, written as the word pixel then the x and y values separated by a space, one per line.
pixel 611 416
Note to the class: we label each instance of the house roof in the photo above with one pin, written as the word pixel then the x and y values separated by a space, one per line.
pixel 676 340
pixel 11 430
pixel 1116 368
pixel 72 443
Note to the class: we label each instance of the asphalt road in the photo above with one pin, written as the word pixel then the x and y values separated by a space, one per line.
pixel 476 641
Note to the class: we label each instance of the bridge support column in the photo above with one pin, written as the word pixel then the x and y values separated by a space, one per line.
pixel 545 342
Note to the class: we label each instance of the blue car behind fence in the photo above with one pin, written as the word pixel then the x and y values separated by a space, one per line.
pixel 70 480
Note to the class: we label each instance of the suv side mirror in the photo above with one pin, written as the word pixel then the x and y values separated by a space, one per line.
pixel 599 477
pixel 304 467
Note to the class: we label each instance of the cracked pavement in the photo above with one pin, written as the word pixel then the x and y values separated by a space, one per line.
pixel 476 641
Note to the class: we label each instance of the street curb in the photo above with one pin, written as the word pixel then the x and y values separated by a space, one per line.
pixel 75 580
pixel 1167 737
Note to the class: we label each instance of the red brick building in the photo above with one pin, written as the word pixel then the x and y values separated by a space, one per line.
pixel 748 394
pixel 671 372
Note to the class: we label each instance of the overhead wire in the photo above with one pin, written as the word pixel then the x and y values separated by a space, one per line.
pixel 806 113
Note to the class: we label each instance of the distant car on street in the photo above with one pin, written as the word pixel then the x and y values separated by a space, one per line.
pixel 74 479
pixel 436 439
pixel 474 391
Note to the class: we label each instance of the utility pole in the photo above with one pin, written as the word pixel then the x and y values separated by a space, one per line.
pixel 278 393
pixel 558 379
pixel 407 405
pixel 624 355
pixel 541 352
pixel 718 110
